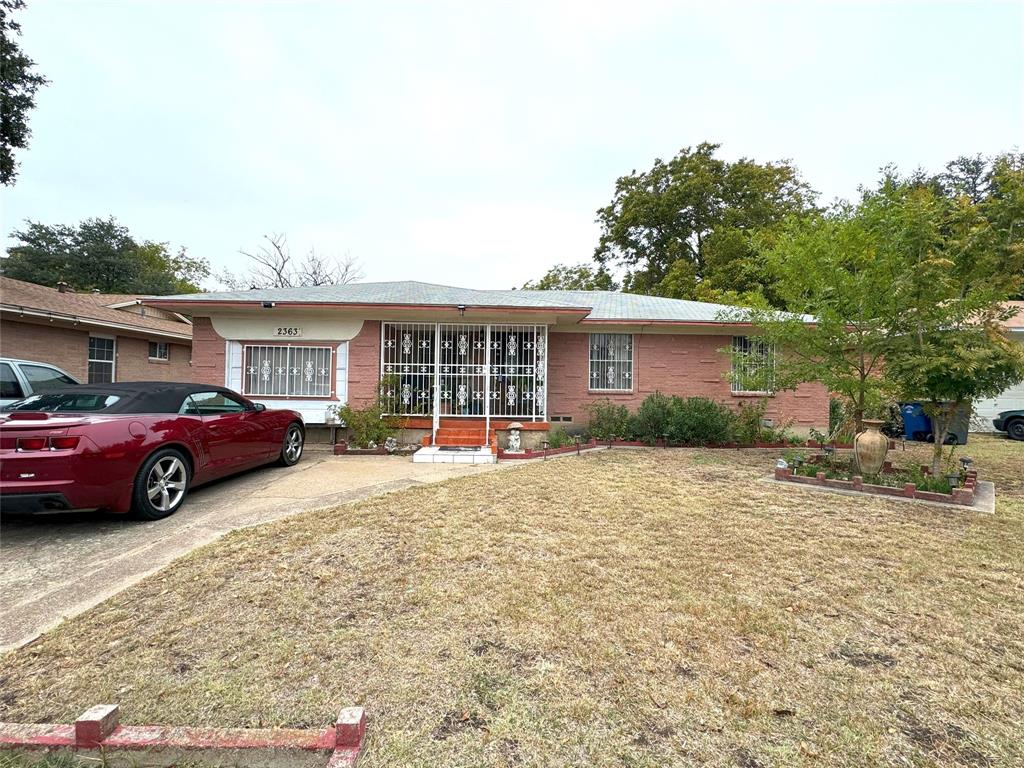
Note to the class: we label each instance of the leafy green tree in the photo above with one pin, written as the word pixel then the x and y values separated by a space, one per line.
pixel 578 277
pixel 828 266
pixel 100 254
pixel 18 85
pixel 692 221
pixel 962 258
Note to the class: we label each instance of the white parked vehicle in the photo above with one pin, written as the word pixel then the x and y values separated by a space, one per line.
pixel 21 378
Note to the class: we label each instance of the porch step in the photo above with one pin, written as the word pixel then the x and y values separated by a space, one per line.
pixel 432 454
pixel 468 437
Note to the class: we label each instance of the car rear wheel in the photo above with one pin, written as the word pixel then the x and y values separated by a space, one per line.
pixel 291 450
pixel 1015 429
pixel 161 485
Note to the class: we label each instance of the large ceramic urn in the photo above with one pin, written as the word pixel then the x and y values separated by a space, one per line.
pixel 870 447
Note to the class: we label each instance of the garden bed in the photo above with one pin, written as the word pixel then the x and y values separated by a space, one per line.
pixel 889 482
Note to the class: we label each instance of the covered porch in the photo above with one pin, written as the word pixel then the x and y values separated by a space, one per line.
pixel 463 381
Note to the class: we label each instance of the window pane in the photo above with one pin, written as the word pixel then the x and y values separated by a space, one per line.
pixel 100 373
pixel 288 371
pixel 101 349
pixel 158 350
pixel 9 385
pixel 42 377
pixel 611 361
pixel 753 365
pixel 212 403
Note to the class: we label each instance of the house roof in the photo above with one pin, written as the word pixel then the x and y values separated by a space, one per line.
pixel 86 308
pixel 593 306
pixel 1016 323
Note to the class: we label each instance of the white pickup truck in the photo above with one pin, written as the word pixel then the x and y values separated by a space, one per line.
pixel 21 378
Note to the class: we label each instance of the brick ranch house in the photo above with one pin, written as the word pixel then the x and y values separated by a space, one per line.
pixel 95 337
pixel 462 362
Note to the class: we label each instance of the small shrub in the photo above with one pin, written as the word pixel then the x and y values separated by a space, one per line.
pixel 368 425
pixel 835 415
pixel 700 421
pixel 559 438
pixel 653 417
pixel 608 420
pixel 749 426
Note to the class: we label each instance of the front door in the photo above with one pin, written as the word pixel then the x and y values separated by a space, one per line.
pixel 462 370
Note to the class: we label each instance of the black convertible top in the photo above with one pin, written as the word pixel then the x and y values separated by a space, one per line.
pixel 134 396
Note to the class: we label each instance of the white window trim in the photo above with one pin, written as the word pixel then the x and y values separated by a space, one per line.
pixel 632 363
pixel 331 367
pixel 89 359
pixel 733 385
pixel 167 349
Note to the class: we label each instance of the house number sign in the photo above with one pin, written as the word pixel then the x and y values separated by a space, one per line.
pixel 290 331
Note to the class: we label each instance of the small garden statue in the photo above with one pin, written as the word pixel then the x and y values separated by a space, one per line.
pixel 515 443
pixel 390 445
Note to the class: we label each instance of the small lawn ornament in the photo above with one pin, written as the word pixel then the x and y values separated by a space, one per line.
pixel 515 441
pixel 390 445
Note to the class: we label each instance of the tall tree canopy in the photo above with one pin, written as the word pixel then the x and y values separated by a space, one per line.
pixel 574 277
pixel 686 227
pixel 100 254
pixel 18 85
pixel 908 289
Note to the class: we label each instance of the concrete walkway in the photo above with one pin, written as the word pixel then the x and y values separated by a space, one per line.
pixel 56 566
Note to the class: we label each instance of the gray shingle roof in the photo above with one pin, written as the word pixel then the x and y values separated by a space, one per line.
pixel 600 305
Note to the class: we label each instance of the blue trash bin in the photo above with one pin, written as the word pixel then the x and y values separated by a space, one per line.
pixel 916 424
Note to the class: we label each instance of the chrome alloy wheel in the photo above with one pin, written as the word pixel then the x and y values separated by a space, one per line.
pixel 293 445
pixel 167 483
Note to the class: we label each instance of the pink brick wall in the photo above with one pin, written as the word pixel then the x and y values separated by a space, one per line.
pixel 674 364
pixel 208 351
pixel 364 365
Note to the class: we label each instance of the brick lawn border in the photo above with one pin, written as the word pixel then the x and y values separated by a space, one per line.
pixel 963 496
pixel 97 734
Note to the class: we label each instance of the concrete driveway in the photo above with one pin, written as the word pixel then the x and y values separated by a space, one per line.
pixel 56 566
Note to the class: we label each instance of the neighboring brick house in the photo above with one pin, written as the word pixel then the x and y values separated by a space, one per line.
pixel 93 336
pixel 457 357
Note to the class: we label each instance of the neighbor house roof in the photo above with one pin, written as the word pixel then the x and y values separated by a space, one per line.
pixel 592 306
pixel 19 297
pixel 1016 323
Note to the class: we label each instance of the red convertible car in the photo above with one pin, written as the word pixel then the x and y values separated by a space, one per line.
pixel 134 447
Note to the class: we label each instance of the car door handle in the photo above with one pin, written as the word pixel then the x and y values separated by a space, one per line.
pixel 213 426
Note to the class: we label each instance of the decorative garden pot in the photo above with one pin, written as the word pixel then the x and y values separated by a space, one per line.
pixel 870 447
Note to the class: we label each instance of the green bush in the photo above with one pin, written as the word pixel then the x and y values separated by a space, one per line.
pixel 836 414
pixel 559 438
pixel 700 421
pixel 367 425
pixel 608 420
pixel 653 417
pixel 750 422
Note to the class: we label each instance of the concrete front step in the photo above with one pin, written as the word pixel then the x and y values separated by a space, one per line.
pixel 432 454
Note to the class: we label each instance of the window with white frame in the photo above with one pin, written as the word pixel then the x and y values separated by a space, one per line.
pixel 101 360
pixel 753 366
pixel 159 350
pixel 286 371
pixel 611 361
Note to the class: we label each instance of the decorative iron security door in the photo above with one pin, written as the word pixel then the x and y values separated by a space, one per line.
pixel 467 370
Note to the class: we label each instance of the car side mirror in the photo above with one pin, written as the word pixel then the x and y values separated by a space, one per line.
pixel 259 407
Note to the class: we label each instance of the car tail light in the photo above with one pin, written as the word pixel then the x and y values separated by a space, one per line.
pixel 32 443
pixel 66 443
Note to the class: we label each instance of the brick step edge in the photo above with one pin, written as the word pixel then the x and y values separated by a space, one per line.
pixel 98 734
pixel 963 495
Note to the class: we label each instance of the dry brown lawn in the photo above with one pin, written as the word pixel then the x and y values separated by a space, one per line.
pixel 630 607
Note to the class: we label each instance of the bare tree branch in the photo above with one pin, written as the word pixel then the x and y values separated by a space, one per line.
pixel 273 267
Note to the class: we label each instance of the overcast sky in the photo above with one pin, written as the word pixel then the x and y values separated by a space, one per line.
pixel 471 143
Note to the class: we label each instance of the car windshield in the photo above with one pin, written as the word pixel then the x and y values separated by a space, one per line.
pixel 76 402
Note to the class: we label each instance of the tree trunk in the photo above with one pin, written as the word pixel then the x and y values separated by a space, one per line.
pixel 941 421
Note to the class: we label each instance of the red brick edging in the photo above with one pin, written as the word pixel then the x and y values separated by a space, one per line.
pixel 964 495
pixel 98 732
